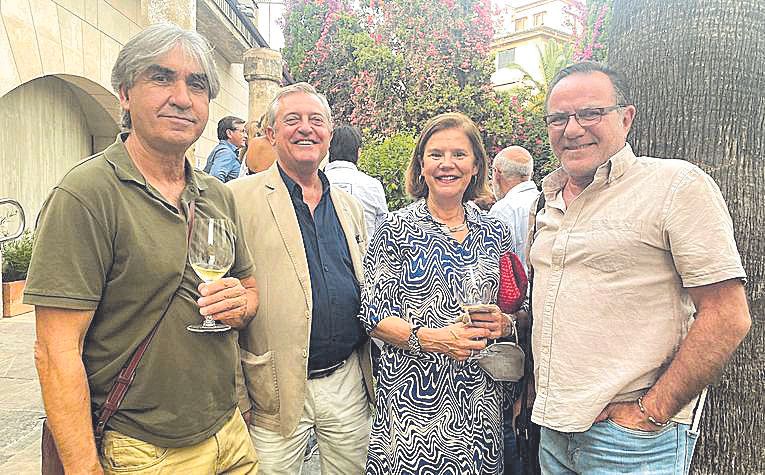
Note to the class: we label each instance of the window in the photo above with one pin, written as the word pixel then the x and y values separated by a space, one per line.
pixel 539 18
pixel 505 58
pixel 520 24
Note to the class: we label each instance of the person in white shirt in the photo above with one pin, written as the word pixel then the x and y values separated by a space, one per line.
pixel 344 151
pixel 511 182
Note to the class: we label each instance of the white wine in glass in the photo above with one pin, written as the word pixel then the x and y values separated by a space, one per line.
pixel 211 255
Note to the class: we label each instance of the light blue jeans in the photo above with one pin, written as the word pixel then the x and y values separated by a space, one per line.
pixel 608 448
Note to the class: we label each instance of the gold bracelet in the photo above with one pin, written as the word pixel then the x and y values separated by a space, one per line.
pixel 650 417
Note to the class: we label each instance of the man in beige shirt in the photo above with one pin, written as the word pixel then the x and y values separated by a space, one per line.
pixel 638 291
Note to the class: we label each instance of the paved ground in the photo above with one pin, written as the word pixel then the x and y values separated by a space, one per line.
pixel 21 407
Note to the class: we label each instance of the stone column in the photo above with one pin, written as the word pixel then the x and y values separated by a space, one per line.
pixel 263 72
pixel 181 12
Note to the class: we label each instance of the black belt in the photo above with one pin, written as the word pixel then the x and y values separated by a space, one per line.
pixel 324 372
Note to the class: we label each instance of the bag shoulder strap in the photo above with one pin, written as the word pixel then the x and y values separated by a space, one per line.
pixel 127 373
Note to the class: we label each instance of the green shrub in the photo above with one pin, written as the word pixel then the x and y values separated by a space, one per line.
pixel 16 257
pixel 387 161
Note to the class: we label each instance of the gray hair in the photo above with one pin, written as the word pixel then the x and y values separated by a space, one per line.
pixel 303 87
pixel 143 49
pixel 586 67
pixel 509 167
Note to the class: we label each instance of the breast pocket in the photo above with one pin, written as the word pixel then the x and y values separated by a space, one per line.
pixel 610 245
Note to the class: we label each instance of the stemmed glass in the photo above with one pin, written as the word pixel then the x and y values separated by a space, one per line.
pixel 474 298
pixel 211 255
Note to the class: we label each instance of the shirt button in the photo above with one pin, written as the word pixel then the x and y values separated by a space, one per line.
pixel 326 268
pixel 305 353
pixel 307 315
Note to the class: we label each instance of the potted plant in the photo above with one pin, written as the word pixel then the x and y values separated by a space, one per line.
pixel 16 257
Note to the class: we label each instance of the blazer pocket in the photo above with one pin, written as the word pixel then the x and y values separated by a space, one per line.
pixel 260 372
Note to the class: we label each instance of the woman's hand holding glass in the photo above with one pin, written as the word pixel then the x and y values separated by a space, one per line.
pixel 490 317
pixel 458 340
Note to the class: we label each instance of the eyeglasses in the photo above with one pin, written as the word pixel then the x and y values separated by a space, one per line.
pixel 241 131
pixel 584 117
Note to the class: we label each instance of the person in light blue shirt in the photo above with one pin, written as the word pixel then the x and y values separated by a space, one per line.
pixel 511 182
pixel 223 162
pixel 343 172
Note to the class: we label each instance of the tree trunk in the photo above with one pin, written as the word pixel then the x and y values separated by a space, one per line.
pixel 697 71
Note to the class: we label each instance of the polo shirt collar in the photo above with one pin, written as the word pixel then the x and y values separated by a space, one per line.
pixel 117 155
pixel 608 172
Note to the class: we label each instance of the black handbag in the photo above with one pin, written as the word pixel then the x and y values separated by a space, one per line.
pixel 527 432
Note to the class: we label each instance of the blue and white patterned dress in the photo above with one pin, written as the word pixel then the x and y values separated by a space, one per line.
pixel 434 415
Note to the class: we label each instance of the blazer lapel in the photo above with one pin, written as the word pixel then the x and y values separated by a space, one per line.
pixel 283 211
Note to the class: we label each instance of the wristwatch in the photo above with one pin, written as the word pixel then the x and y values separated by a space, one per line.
pixel 414 342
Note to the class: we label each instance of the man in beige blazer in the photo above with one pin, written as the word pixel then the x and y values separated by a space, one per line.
pixel 305 356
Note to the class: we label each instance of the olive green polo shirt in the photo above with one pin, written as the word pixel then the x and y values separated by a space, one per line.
pixel 108 241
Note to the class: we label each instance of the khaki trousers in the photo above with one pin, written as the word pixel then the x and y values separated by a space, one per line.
pixel 338 409
pixel 229 451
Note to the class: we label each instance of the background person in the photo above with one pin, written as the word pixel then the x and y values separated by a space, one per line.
pixel 223 162
pixel 344 153
pixel 435 410
pixel 513 168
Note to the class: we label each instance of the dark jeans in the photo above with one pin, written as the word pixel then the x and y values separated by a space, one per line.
pixel 512 459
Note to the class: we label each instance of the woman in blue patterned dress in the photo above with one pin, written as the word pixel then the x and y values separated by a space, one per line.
pixel 437 411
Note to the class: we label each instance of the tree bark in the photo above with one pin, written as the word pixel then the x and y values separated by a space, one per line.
pixel 697 71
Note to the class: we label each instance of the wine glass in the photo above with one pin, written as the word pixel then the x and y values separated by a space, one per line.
pixel 211 255
pixel 475 296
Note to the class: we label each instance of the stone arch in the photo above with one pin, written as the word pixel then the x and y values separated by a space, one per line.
pixel 47 125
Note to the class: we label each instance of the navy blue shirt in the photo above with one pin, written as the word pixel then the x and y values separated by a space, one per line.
pixel 335 328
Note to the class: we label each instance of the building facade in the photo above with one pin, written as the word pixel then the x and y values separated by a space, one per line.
pixel 56 101
pixel 528 25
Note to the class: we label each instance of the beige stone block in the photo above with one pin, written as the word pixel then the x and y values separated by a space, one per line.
pixel 76 7
pixel 45 15
pixel 9 75
pixel 91 12
pixel 20 29
pixel 109 51
pixel 135 29
pixel 71 41
pixel 131 9
pixel 113 23
pixel 91 52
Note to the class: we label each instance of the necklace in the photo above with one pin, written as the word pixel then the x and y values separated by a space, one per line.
pixel 451 229
pixel 455 229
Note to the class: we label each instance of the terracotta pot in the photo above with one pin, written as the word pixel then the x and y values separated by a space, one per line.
pixel 12 296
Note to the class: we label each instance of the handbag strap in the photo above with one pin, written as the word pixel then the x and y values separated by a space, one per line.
pixel 127 373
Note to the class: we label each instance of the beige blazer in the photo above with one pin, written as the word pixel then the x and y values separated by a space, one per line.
pixel 274 347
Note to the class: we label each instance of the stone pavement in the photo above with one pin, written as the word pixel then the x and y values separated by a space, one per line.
pixel 21 407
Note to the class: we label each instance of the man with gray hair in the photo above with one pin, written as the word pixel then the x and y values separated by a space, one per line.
pixel 305 357
pixel 110 275
pixel 512 170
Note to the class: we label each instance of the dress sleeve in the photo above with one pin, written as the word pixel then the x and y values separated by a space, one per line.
pixel 381 296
